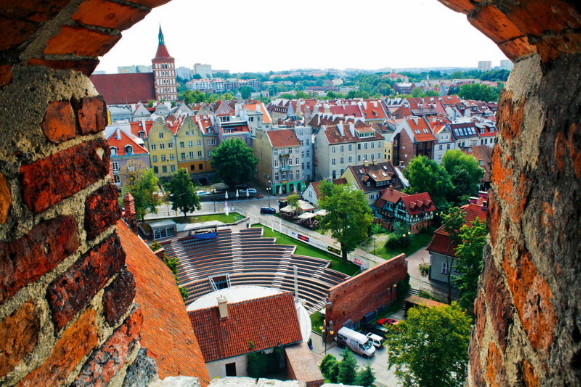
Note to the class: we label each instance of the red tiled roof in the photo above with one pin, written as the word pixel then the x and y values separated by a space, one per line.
pixel 283 138
pixel 266 322
pixel 421 126
pixel 402 112
pixel 419 202
pixel 124 140
pixel 167 332
pixel 334 135
pixel 389 195
pixel 346 110
pixel 137 126
pixel 125 88
pixel 162 53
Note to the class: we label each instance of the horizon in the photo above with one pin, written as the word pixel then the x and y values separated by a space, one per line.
pixel 397 35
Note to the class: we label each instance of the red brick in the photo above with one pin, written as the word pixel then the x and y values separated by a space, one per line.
pixel 510 115
pixel 495 24
pixel 80 41
pixel 73 290
pixel 47 181
pixel 531 296
pixel 85 66
pixel 551 47
pixel 495 371
pixel 477 377
pixel 538 17
pixel 107 14
pixel 70 349
pixel 5 199
pixel 26 259
pixel 119 296
pixel 499 305
pixel 517 48
pixel 494 216
pixel 463 6
pixel 101 210
pixel 91 114
pixel 18 336
pixel 150 3
pixel 105 362
pixel 5 74
pixel 20 30
pixel 32 10
pixel 59 123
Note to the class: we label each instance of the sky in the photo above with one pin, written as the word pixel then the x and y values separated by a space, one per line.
pixel 268 35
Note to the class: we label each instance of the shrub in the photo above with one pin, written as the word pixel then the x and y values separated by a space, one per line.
pixel 424 269
pixel 262 364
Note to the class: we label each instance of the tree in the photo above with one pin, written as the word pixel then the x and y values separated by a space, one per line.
pixel 347 368
pixel 348 215
pixel 430 348
pixel 183 193
pixel 330 368
pixel 234 161
pixel 145 193
pixel 246 91
pixel 365 377
pixel 478 92
pixel 465 174
pixel 469 261
pixel 293 200
pixel 452 222
pixel 425 175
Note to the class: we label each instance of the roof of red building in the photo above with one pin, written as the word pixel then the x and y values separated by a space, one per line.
pixel 389 195
pixel 266 322
pixel 137 126
pixel 167 332
pixel 162 53
pixel 334 134
pixel 346 110
pixel 420 129
pixel 125 88
pixel 119 139
pixel 283 138
pixel 402 112
pixel 417 203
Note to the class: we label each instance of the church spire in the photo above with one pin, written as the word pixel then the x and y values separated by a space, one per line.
pixel 160 37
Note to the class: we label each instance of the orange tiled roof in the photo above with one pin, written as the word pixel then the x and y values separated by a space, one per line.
pixel 266 322
pixel 283 138
pixel 334 135
pixel 124 140
pixel 167 332
pixel 419 202
pixel 137 126
pixel 420 126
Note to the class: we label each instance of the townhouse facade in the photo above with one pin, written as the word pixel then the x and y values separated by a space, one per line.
pixel 413 137
pixel 161 146
pixel 127 156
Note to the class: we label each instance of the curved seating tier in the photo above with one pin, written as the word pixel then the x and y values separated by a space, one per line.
pixel 250 259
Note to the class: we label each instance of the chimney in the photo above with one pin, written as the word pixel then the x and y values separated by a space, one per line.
pixel 130 215
pixel 223 307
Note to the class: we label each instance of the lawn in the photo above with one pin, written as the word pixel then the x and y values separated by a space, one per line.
pixel 308 250
pixel 417 241
pixel 316 322
pixel 230 218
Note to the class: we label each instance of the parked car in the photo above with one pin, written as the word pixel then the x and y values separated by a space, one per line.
pixel 377 329
pixel 267 210
pixel 376 340
pixel 356 341
pixel 390 321
pixel 251 191
pixel 201 193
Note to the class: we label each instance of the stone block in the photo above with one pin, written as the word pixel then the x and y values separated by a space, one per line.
pixel 47 181
pixel 72 40
pixel 59 123
pixel 18 336
pixel 119 296
pixel 25 260
pixel 91 114
pixel 85 66
pixel 101 210
pixel 73 290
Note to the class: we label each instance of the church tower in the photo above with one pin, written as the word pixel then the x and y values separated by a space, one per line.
pixel 164 72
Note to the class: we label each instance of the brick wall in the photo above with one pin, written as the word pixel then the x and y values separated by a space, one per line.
pixel 365 292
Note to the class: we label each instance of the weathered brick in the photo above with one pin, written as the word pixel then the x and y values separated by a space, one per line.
pixel 494 24
pixel 105 362
pixel 47 181
pixel 551 47
pixel 538 17
pixel 531 296
pixel 477 376
pixel 32 10
pixel 494 217
pixel 495 371
pixel 59 123
pixel 26 259
pixel 119 296
pixel 5 74
pixel 18 336
pixel 530 377
pixel 75 343
pixel 74 289
pixel 80 41
pixel 20 30
pixel 517 48
pixel 5 199
pixel 101 210
pixel 91 114
pixel 463 6
pixel 499 305
pixel 510 114
pixel 85 66
pixel 150 3
pixel 107 14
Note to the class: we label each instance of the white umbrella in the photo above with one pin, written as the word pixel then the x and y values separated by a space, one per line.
pixel 226 195
pixel 226 209
pixel 247 194
pixel 236 193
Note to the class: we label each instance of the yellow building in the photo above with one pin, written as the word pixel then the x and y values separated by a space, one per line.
pixel 209 139
pixel 190 147
pixel 161 145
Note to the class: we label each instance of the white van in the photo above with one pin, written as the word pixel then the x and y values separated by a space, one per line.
pixel 376 340
pixel 356 341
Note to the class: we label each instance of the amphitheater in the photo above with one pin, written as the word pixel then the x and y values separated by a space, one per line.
pixel 245 257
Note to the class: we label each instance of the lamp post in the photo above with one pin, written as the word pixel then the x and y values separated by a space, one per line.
pixel 326 330
pixel 268 190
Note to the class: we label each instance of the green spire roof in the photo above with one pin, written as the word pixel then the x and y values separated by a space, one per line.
pixel 160 36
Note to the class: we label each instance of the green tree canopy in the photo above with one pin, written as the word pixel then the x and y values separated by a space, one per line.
pixel 478 92
pixel 183 193
pixel 348 215
pixel 246 91
pixel 365 377
pixel 430 348
pixel 469 261
pixel 465 174
pixel 425 175
pixel 347 368
pixel 452 222
pixel 144 189
pixel 293 200
pixel 234 161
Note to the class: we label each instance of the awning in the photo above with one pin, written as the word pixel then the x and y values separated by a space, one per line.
pixel 307 215
pixel 287 209
pixel 321 212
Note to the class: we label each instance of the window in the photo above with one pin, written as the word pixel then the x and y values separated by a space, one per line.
pixel 115 165
pixel 342 160
pixel 171 157
pixel 445 268
pixel 182 144
pixel 290 176
pixel 276 163
pixel 170 145
pixel 214 141
pixel 183 156
pixel 161 146
pixel 164 169
pixel 334 174
pixel 308 153
pixel 154 159
pixel 333 149
pixel 116 179
pixel 209 142
pixel 332 161
pixel 209 154
pixel 298 174
pixel 372 156
pixel 296 161
pixel 192 167
pixel 153 147
pixel 173 168
pixel 290 161
pixel 190 144
pixel 160 134
pixel 276 176
pixel 342 148
pixel 373 145
pixel 199 142
pixel 365 157
pixel 358 157
pixel 308 165
pixel 199 153
pixel 201 167
pixel 441 146
pixel 155 169
pixel 191 155
pixel 359 146
pixel 378 155
pixel 350 147
pixel 113 151
pixel 365 146
pixel 350 159
pixel 163 158
pixel 448 146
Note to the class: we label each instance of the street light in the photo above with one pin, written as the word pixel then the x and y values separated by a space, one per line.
pixel 268 190
pixel 325 330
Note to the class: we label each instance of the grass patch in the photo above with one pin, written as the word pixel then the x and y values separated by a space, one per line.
pixel 304 249
pixel 316 322
pixel 230 218
pixel 417 241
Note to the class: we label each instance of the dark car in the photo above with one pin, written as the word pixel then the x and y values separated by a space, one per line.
pixel 377 329
pixel 267 210
pixel 242 186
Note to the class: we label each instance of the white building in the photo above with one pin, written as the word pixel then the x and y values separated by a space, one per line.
pixel 204 70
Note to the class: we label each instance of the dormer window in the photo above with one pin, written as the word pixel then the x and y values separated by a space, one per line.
pixel 113 151
pixel 128 150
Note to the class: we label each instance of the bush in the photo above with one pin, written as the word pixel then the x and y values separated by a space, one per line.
pixel 155 246
pixel 262 364
pixel 377 229
pixel 365 377
pixel 328 367
pixel 424 269
pixel 397 241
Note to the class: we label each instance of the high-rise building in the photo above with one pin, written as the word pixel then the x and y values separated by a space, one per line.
pixel 204 70
pixel 484 65
pixel 164 72
pixel 506 64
